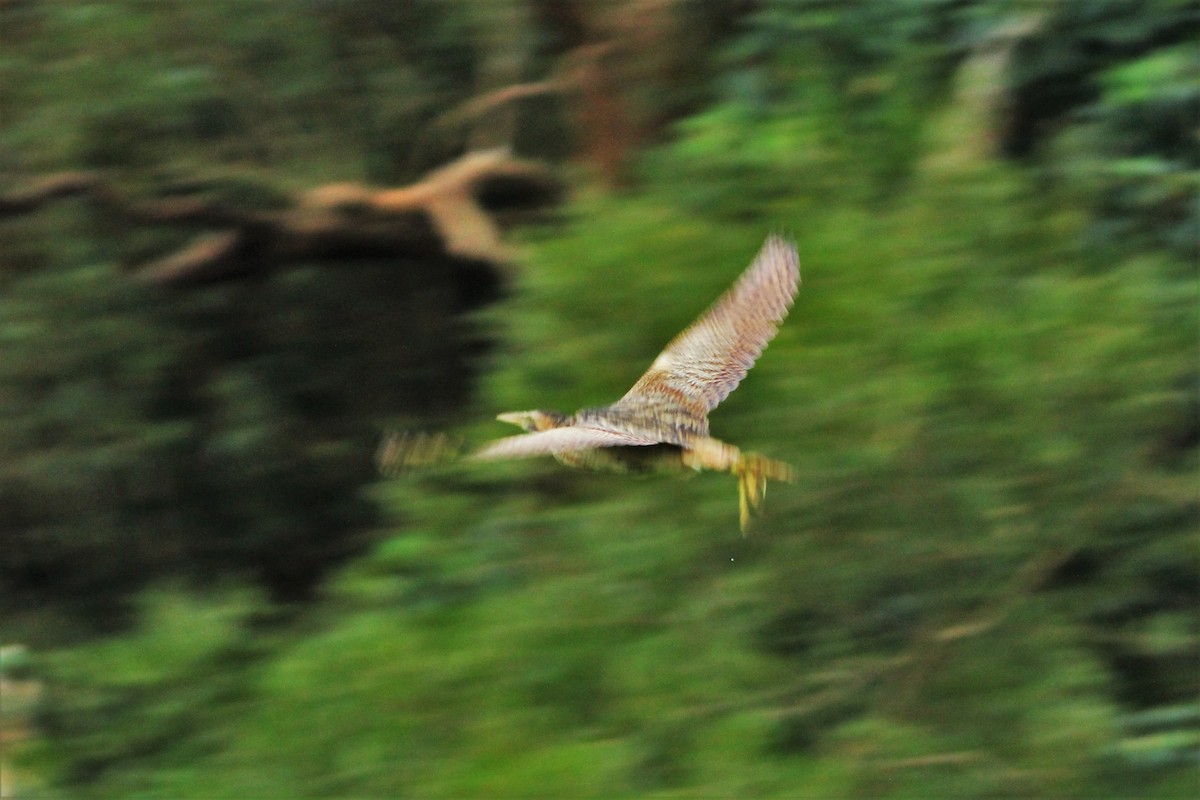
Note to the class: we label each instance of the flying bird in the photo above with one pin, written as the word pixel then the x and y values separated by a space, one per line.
pixel 662 422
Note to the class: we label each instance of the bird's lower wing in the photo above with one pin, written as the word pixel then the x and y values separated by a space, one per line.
pixel 558 440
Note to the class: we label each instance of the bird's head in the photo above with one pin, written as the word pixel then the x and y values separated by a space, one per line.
pixel 536 420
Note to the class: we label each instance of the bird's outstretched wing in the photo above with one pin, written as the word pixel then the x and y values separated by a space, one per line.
pixel 702 365
pixel 558 440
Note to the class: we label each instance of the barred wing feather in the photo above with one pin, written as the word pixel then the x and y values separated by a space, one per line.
pixel 702 365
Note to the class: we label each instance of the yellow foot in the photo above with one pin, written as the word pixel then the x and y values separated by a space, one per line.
pixel 401 451
pixel 753 471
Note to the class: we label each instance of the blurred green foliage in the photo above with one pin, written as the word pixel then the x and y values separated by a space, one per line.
pixel 985 581
pixel 1132 158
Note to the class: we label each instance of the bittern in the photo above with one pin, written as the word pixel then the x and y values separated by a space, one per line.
pixel 662 422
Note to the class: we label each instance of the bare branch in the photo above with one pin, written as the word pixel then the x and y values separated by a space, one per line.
pixel 459 211
pixel 44 190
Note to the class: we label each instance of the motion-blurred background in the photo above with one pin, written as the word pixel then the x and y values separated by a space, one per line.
pixel 239 240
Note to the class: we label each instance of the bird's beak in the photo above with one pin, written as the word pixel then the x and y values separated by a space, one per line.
pixel 512 418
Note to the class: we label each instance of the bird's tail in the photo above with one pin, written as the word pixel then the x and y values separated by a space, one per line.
pixel 401 451
pixel 753 472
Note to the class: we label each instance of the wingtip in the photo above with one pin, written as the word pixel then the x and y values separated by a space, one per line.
pixel 786 246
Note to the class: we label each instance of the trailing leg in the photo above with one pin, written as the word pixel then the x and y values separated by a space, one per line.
pixel 753 472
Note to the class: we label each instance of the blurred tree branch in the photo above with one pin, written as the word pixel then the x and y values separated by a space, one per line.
pixel 47 189
pixel 458 211
pixel 605 137
pixel 609 66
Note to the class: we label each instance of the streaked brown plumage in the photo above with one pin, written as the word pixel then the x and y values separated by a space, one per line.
pixel 662 422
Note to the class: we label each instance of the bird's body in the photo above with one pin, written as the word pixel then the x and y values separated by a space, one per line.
pixel 662 422
pixel 626 460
